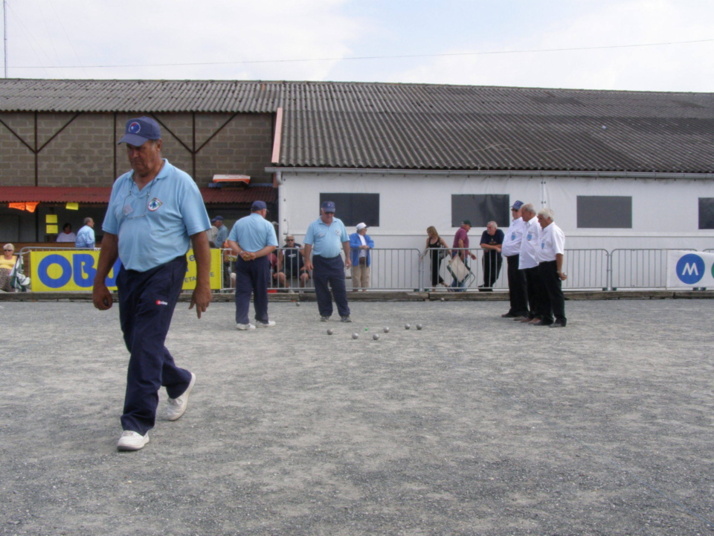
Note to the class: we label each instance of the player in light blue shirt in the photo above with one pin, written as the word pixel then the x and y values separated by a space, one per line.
pixel 85 236
pixel 154 224
pixel 155 212
pixel 325 238
pixel 252 240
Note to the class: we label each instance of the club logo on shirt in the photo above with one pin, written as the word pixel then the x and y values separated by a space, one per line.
pixel 161 302
pixel 154 204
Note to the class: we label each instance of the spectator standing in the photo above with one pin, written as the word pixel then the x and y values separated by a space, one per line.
pixel 218 233
pixel 550 270
pixel 491 241
pixel 461 248
pixel 252 239
pixel 85 236
pixel 326 237
pixel 511 249
pixel 155 213
pixel 67 235
pixel 360 245
pixel 437 248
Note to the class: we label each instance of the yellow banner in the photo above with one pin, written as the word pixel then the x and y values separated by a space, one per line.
pixel 74 270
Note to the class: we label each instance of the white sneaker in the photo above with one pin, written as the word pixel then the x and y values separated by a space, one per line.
pixel 244 327
pixel 178 405
pixel 131 440
pixel 268 324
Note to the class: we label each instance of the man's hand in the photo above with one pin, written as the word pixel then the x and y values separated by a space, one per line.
pixel 201 298
pixel 101 297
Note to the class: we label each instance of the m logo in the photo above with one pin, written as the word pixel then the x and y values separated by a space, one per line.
pixel 690 269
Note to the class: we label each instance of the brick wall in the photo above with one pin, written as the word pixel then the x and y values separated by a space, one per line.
pixel 82 150
pixel 17 162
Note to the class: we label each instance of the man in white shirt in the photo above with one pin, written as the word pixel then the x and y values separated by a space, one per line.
pixel 67 235
pixel 550 270
pixel 511 249
pixel 528 263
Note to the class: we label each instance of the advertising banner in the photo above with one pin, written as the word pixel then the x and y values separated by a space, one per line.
pixel 74 270
pixel 687 269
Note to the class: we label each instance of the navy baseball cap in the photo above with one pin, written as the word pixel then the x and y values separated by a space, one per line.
pixel 258 205
pixel 217 218
pixel 517 205
pixel 328 206
pixel 139 131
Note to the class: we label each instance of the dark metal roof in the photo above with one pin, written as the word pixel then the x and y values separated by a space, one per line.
pixel 239 197
pixel 419 126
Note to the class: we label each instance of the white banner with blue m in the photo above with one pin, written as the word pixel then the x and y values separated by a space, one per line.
pixel 690 269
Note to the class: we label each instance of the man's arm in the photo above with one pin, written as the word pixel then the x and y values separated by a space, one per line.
pixel 308 257
pixel 559 266
pixel 281 256
pixel 201 296
pixel 346 249
pixel 101 297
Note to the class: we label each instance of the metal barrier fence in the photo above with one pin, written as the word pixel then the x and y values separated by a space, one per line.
pixel 639 268
pixel 408 269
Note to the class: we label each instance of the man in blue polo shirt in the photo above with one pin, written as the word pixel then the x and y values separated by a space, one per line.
pixel 325 239
pixel 85 236
pixel 252 239
pixel 155 213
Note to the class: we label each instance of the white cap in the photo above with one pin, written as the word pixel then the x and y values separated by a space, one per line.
pixel 361 226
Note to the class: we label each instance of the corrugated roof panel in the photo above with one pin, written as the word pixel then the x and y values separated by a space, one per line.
pixel 422 126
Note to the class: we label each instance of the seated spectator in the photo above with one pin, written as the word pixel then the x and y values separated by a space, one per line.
pixel 291 264
pixel 7 263
pixel 67 235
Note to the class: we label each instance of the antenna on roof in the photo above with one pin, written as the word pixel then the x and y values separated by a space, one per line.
pixel 4 35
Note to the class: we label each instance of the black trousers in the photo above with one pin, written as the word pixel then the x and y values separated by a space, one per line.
pixel 554 301
pixel 492 261
pixel 146 305
pixel 535 290
pixel 517 293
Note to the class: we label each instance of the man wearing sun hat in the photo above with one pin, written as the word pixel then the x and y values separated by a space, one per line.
pixel 360 245
pixel 155 214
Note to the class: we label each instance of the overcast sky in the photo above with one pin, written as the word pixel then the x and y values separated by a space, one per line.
pixel 652 45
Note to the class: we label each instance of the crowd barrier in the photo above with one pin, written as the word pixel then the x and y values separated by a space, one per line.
pixel 408 269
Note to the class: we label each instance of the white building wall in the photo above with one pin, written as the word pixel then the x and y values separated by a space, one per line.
pixel 664 211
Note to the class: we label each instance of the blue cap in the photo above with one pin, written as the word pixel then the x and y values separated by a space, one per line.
pixel 258 205
pixel 517 205
pixel 139 131
pixel 217 218
pixel 328 206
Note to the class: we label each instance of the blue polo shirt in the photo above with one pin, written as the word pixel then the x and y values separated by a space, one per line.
pixel 253 233
pixel 326 240
pixel 85 238
pixel 154 224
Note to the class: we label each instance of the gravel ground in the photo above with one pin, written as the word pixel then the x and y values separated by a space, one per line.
pixel 472 425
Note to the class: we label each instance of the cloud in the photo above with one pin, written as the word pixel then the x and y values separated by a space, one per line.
pixel 209 38
pixel 663 67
